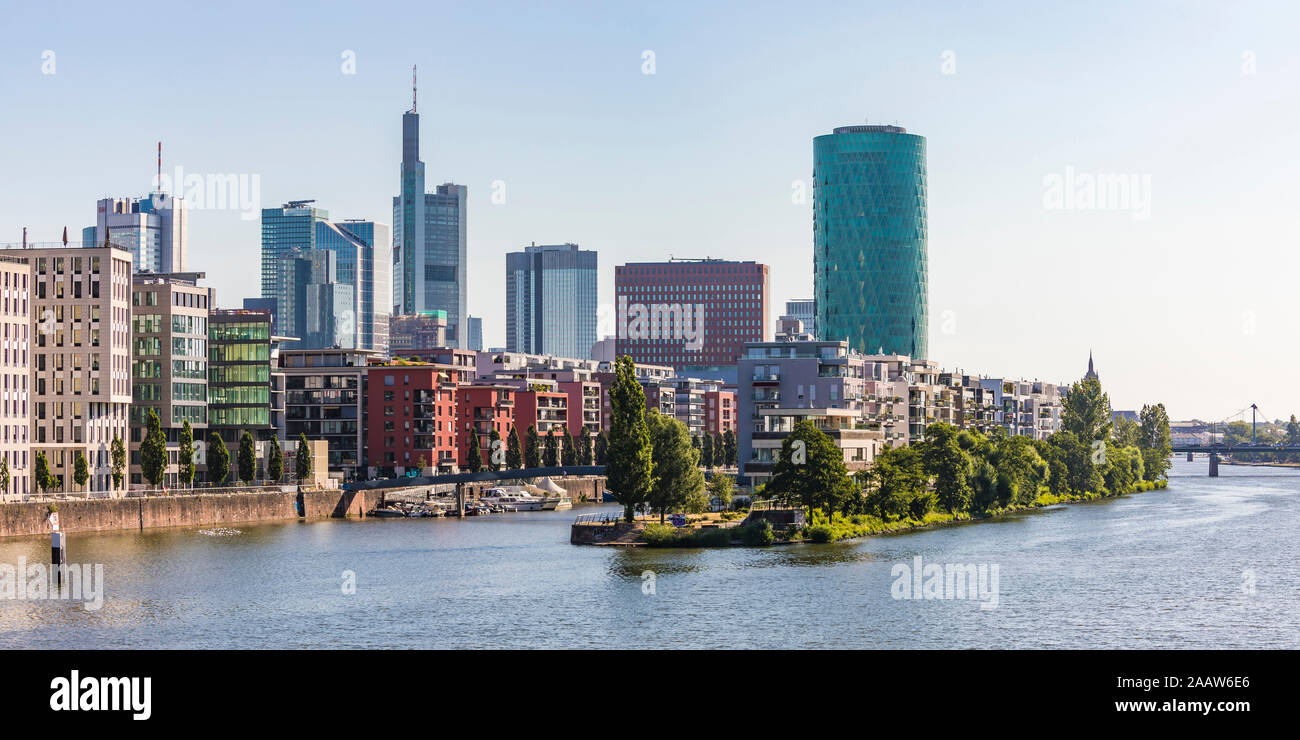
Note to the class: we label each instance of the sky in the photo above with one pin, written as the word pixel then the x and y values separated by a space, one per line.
pixel 650 130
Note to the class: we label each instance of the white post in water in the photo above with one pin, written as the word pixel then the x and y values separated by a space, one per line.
pixel 59 555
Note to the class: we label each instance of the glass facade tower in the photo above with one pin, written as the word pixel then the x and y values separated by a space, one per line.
pixel 551 300
pixel 429 242
pixel 870 237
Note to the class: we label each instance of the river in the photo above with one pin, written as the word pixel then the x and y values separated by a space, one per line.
pixel 1206 563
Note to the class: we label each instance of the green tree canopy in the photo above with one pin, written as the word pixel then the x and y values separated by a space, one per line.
pixel 585 456
pixel 274 461
pixel 811 471
pixel 185 457
pixel 218 459
pixel 1085 411
pixel 514 456
pixel 153 450
pixel 302 459
pixel 247 458
pixel 474 455
pixel 533 450
pixel 630 468
pixel 677 477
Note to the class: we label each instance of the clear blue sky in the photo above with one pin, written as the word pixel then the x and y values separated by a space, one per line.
pixel 1194 305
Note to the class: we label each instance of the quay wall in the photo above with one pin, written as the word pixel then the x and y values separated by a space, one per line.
pixel 18 519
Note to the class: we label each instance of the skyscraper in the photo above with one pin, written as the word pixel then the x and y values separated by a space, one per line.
pixel 551 300
pixel 429 241
pixel 154 228
pixel 870 270
pixel 362 262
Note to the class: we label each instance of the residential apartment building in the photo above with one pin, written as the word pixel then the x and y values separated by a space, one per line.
pixel 411 418
pixel 481 409
pixel 720 411
pixel 169 361
pixel 81 362
pixel 783 383
pixel 325 399
pixel 15 377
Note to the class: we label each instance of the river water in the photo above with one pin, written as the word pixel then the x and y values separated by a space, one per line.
pixel 1207 563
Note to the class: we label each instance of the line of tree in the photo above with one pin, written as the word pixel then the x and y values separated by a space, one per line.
pixel 966 471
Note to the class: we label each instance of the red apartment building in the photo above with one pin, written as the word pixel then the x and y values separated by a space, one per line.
pixel 733 298
pixel 411 413
pixel 545 410
pixel 719 411
pixel 479 410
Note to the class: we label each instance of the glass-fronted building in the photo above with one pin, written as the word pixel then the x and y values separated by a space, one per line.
pixel 551 300
pixel 870 237
pixel 362 262
pixel 430 249
pixel 241 389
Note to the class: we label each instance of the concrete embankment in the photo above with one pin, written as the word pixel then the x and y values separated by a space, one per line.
pixel 97 515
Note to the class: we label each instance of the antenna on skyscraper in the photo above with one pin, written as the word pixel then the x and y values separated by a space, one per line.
pixel 413 93
pixel 158 182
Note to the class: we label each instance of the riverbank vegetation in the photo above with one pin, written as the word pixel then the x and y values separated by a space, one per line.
pixel 951 475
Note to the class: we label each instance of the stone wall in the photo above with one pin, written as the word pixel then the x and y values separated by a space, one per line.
pixel 97 515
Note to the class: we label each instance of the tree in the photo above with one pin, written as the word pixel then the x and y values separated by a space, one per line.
pixel 1085 411
pixel 551 452
pixel 811 471
pixel 897 485
pixel 185 457
pixel 729 448
pixel 568 453
pixel 949 464
pixel 302 459
pixel 4 474
pixel 584 446
pixel 275 461
pixel 1125 432
pixel 247 458
pixel 533 452
pixel 629 469
pixel 80 469
pixel 1078 471
pixel 723 488
pixel 474 456
pixel 706 450
pixel 218 460
pixel 1016 458
pixel 494 451
pixel 514 457
pixel 677 476
pixel 1156 442
pixel 600 451
pixel 719 454
pixel 118 455
pixel 43 472
pixel 153 450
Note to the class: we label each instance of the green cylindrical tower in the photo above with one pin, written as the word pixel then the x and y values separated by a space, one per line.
pixel 870 270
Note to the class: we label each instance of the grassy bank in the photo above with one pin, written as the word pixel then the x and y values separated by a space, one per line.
pixel 841 527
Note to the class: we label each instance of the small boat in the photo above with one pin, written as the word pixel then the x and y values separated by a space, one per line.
pixel 386 513
pixel 552 503
pixel 608 497
pixel 520 502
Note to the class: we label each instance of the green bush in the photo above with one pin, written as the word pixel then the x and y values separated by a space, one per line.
pixel 821 533
pixel 757 534
pixel 659 535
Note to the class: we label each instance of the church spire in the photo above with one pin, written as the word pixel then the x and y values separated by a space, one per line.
pixel 1091 372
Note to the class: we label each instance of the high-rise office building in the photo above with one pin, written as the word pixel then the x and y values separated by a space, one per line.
pixel 291 226
pixel 429 241
pixel 365 263
pixel 551 300
pixel 475 334
pixel 694 315
pixel 314 306
pixel 362 262
pixel 153 228
pixel 81 368
pixel 870 270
